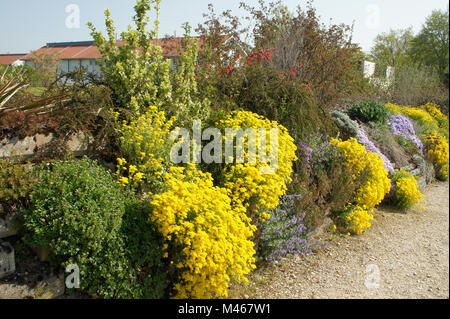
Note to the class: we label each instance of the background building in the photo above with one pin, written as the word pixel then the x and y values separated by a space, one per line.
pixel 12 59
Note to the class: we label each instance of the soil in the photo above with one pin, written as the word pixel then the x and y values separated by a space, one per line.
pixel 29 270
pixel 403 255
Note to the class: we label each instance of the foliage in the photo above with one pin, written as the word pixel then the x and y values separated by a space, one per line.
pixel 187 104
pixel 417 85
pixel 301 47
pixel 207 240
pixel 143 249
pixel 369 111
pixel 253 83
pixel 431 46
pixel 248 183
pixel 405 192
pixel 11 83
pixel 396 148
pixel 16 184
pixel 346 126
pixel 134 69
pixel 391 49
pixel 46 65
pixel 302 40
pixel 91 112
pixel 76 211
pixel 138 74
pixel 284 233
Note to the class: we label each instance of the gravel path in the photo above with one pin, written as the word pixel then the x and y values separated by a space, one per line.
pixel 410 252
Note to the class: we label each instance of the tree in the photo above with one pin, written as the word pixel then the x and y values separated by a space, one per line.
pixel 135 70
pixel 431 46
pixel 138 74
pixel 392 48
pixel 46 65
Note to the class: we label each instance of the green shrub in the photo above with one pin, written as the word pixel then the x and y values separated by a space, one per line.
pixel 79 212
pixel 259 88
pixel 302 47
pixel 369 111
pixel 76 211
pixel 347 127
pixel 144 250
pixel 16 184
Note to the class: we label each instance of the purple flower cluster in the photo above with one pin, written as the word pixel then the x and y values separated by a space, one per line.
pixel 284 233
pixel 365 141
pixel 304 153
pixel 402 126
pixel 317 154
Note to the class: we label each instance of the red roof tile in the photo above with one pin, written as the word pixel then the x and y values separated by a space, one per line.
pixel 87 50
pixel 10 58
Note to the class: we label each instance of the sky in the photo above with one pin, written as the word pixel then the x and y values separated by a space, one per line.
pixel 29 24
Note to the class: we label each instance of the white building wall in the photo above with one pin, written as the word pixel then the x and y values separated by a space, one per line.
pixel 18 63
pixel 368 69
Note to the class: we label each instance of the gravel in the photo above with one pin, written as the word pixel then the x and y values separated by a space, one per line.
pixel 403 256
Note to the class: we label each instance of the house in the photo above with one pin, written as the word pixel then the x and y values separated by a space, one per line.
pixel 12 59
pixel 74 55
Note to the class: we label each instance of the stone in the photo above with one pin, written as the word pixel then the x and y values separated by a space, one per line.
pixel 422 182
pixel 79 143
pixel 42 140
pixel 416 172
pixel 8 227
pixel 7 261
pixel 408 168
pixel 15 147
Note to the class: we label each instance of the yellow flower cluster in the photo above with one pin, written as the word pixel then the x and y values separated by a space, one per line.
pixel 214 236
pixel 355 155
pixel 246 184
pixel 406 191
pixel 358 218
pixel 435 111
pixel 438 153
pixel 146 143
pixel 133 176
pixel 357 158
pixel 377 183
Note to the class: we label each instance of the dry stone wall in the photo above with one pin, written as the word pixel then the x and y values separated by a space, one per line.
pixel 26 147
